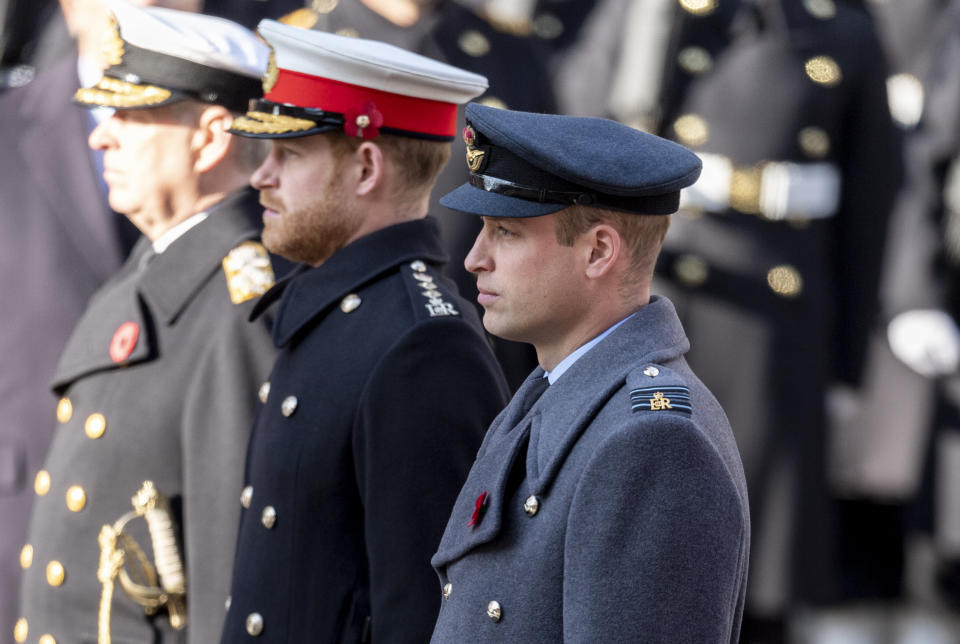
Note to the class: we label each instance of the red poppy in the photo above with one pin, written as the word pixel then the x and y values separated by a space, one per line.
pixel 363 121
pixel 479 509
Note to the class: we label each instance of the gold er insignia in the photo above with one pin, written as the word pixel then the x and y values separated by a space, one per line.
pixel 270 76
pixel 474 158
pixel 112 46
pixel 659 402
pixel 248 270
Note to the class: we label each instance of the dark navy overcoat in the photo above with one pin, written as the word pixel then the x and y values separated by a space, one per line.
pixel 367 427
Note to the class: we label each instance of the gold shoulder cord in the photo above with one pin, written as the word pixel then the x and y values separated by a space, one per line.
pixel 137 576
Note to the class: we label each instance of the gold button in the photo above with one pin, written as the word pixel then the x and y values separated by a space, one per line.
pixel 269 517
pixel 699 7
pixel 350 303
pixel 264 392
pixel 823 70
pixel 21 630
pixel 494 102
pixel 95 425
pixel 691 270
pixel 447 589
pixel 254 624
pixel 531 505
pixel 64 410
pixel 246 496
pixel 41 484
pixel 76 498
pixel 823 9
pixel 694 60
pixel 288 406
pixel 814 142
pixel 547 26
pixel 473 43
pixel 785 281
pixel 745 185
pixel 651 372
pixel 494 611
pixel 26 556
pixel 47 639
pixel 691 130
pixel 55 573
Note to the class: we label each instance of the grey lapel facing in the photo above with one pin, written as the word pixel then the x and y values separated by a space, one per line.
pixel 555 422
pixel 502 445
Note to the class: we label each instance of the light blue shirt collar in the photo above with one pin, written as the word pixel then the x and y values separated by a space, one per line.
pixel 567 362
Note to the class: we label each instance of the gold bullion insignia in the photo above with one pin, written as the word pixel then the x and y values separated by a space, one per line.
pixel 248 270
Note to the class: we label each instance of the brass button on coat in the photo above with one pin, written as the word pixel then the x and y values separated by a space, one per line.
pixel 41 484
pixel 55 573
pixel 64 410
pixel 47 639
pixel 447 589
pixel 264 392
pixel 246 496
pixel 494 611
pixel 288 406
pixel 531 505
pixel 269 517
pixel 95 425
pixel 76 498
pixel 26 556
pixel 21 630
pixel 254 624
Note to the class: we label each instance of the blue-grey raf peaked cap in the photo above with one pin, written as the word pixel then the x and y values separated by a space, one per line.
pixel 526 165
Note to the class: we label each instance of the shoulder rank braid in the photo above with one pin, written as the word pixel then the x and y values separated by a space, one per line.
pixel 671 398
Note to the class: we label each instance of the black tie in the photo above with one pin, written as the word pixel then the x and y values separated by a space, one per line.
pixel 523 400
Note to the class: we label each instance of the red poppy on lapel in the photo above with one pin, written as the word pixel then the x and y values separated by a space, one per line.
pixel 479 509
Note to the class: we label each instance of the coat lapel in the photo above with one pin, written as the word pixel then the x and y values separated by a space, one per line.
pixel 555 422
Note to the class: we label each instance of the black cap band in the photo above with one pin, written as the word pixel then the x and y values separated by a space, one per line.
pixel 186 78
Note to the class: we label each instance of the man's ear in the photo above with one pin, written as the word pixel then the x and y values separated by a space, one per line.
pixel 370 167
pixel 211 141
pixel 603 247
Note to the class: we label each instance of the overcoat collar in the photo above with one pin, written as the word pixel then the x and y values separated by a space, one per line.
pixel 556 421
pixel 155 294
pixel 308 293
pixel 173 277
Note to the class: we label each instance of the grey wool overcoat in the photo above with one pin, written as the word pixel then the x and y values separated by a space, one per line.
pixel 615 510
pixel 157 383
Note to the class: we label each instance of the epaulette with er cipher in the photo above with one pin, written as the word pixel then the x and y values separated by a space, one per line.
pixel 674 398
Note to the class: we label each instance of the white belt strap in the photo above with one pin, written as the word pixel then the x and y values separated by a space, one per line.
pixel 775 190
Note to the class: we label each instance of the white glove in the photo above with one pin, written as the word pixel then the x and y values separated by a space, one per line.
pixel 927 341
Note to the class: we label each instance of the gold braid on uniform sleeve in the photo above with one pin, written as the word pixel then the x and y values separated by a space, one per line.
pixel 121 557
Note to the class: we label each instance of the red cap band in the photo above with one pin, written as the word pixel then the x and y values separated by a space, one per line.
pixel 399 112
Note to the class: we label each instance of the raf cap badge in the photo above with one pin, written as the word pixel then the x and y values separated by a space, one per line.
pixel 474 155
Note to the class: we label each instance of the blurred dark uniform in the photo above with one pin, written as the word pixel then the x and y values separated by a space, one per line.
pixel 902 446
pixel 514 62
pixel 774 262
pixel 157 383
pixel 60 241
